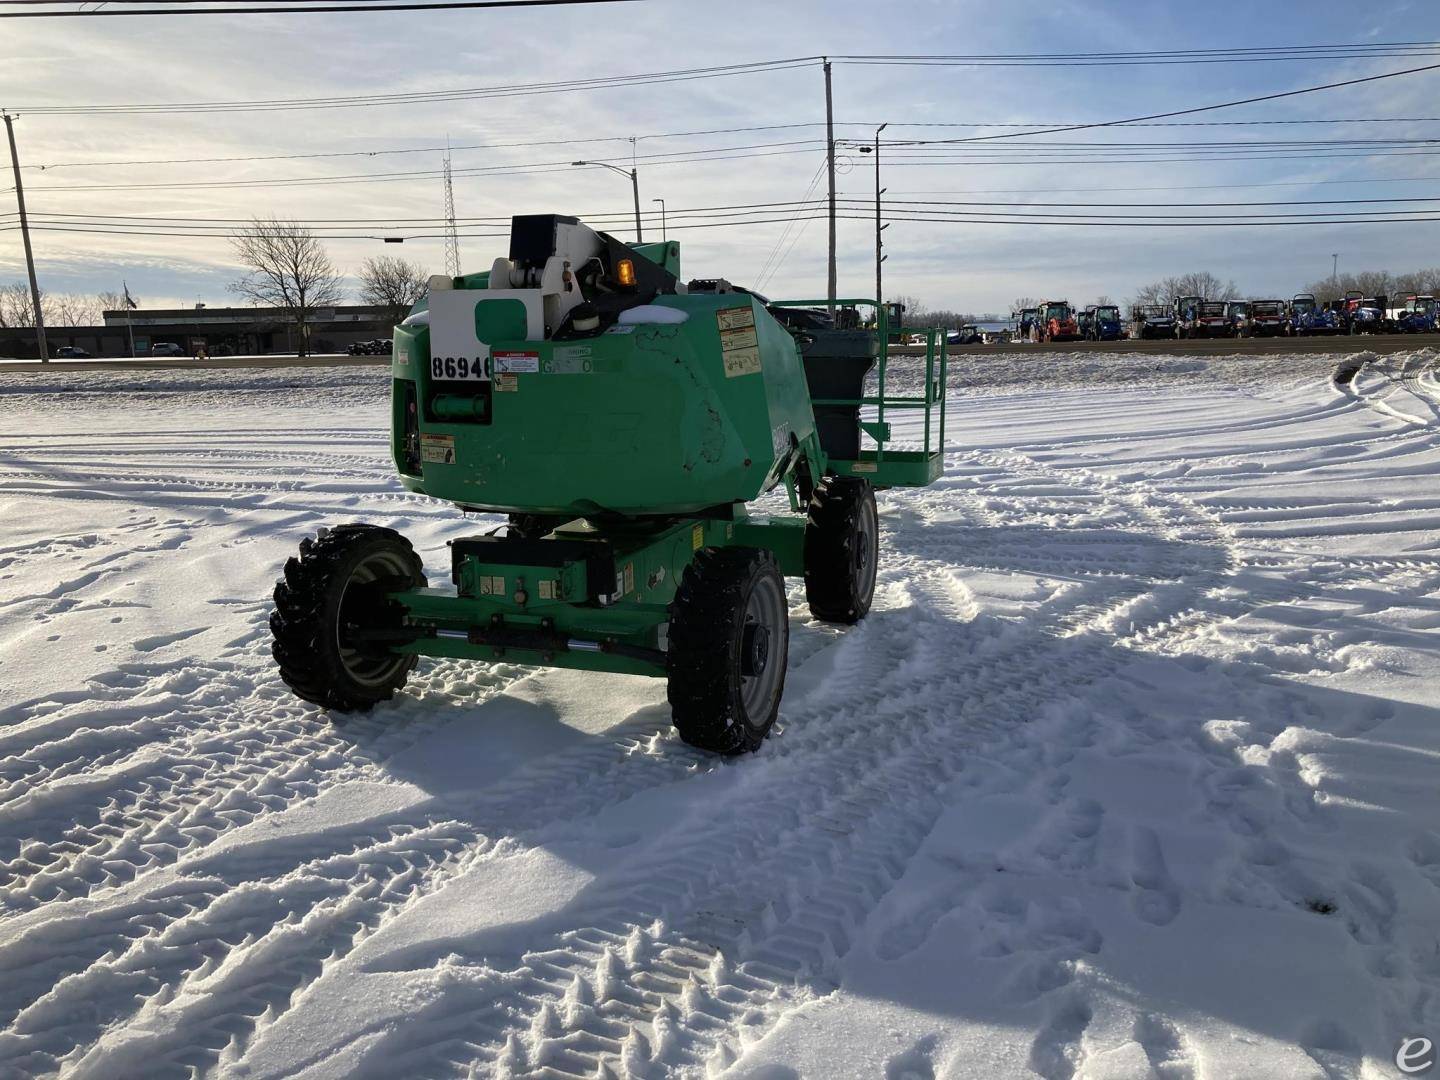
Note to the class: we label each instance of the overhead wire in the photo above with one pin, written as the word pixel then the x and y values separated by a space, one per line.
pixel 290 7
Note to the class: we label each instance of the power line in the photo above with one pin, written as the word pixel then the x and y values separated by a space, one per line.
pixel 1170 187
pixel 1209 108
pixel 1194 159
pixel 867 217
pixel 1175 123
pixel 1361 50
pixel 794 211
pixel 1117 153
pixel 294 7
pixel 426 149
pixel 386 151
pixel 1198 144
pixel 421 97
pixel 700 212
pixel 674 158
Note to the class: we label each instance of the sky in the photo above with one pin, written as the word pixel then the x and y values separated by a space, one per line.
pixel 965 266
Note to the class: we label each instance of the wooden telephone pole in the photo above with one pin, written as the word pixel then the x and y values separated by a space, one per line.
pixel 25 238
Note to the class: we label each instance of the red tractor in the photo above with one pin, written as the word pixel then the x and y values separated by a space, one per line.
pixel 1057 322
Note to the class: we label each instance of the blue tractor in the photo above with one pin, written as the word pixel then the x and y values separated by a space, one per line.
pixel 1102 323
pixel 1307 317
pixel 1419 315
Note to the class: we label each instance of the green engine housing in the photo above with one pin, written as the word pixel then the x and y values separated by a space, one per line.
pixel 642 419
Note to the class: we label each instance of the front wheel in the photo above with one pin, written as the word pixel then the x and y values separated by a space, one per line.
pixel 729 646
pixel 842 549
pixel 332 613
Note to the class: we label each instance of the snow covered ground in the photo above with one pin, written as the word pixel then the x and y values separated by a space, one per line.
pixel 1134 771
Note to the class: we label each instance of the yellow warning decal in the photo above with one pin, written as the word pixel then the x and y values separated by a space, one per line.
pixel 438 449
pixel 739 341
pixel 697 538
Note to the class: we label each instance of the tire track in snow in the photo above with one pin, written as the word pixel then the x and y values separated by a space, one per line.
pixel 877 768
pixel 797 738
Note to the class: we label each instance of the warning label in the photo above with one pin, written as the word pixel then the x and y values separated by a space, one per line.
pixel 514 363
pixel 735 317
pixel 507 383
pixel 739 342
pixel 438 449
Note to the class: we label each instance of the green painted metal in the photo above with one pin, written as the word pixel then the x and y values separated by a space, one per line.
pixel 648 567
pixel 654 419
pixel 650 439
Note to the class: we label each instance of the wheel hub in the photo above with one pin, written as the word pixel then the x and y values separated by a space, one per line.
pixel 754 650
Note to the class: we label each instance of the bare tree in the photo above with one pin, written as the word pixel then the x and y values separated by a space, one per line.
pixel 392 283
pixel 72 309
pixel 1020 303
pixel 1368 283
pixel 15 306
pixel 289 269
pixel 913 305
pixel 1197 283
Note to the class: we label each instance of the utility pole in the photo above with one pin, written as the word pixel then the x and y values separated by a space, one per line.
pixel 25 237
pixel 830 167
pixel 129 317
pixel 635 185
pixel 1335 271
pixel 879 228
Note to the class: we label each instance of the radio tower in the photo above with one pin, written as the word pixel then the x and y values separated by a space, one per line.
pixel 452 238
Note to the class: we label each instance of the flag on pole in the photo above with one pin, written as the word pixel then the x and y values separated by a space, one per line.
pixel 129 300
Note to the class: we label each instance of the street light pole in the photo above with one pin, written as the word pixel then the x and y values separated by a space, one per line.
pixel 664 229
pixel 634 184
pixel 25 237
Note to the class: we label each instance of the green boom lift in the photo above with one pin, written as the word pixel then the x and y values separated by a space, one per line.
pixel 622 421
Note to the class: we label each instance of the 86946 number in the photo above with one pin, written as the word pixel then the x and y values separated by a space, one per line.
pixel 458 368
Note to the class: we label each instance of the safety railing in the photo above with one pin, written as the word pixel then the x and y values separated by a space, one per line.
pixel 887 467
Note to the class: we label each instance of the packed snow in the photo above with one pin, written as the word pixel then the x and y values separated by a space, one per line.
pixel 1131 772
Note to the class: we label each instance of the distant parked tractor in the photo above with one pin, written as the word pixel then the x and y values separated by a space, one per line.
pixel 1187 315
pixel 1212 320
pixel 618 421
pixel 1238 312
pixel 1058 321
pixel 1267 319
pixel 1026 322
pixel 1417 315
pixel 1101 322
pixel 1307 317
pixel 1366 314
pixel 1151 321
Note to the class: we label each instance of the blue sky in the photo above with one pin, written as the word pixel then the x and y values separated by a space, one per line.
pixel 970 266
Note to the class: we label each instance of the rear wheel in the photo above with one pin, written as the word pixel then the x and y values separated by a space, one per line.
pixel 729 645
pixel 842 549
pixel 330 607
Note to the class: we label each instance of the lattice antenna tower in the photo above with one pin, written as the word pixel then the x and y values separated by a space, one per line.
pixel 452 237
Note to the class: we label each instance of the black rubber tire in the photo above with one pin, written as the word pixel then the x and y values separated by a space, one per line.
pixel 313 601
pixel 842 550
pixel 707 657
